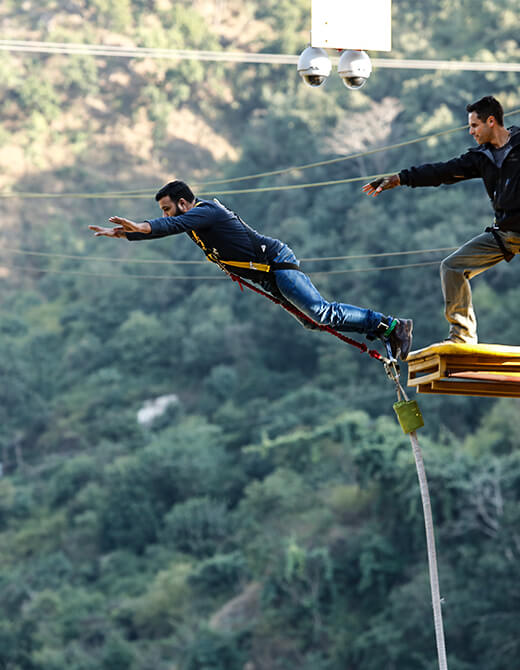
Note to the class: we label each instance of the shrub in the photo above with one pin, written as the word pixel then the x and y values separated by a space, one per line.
pixel 200 526
pixel 219 574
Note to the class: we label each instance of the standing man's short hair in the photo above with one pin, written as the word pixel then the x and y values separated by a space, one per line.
pixel 486 107
pixel 176 190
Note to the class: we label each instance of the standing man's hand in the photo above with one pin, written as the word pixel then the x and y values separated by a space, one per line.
pixel 383 184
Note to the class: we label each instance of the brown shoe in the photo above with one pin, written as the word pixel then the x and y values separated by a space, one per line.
pixel 401 338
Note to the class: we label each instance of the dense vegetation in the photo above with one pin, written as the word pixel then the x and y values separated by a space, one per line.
pixel 269 518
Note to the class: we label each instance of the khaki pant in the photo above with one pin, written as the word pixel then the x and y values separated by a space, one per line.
pixel 474 257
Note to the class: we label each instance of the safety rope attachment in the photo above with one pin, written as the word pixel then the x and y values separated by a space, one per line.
pixel 373 353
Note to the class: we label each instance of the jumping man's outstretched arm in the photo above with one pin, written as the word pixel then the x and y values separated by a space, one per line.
pixel 121 227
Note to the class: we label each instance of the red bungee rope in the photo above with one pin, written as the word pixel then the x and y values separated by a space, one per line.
pixel 294 310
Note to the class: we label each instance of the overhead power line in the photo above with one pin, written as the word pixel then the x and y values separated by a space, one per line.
pixel 380 268
pixel 137 196
pixel 142 192
pixel 105 275
pixel 154 261
pixel 199 278
pixel 274 59
pixel 146 193
pixel 122 51
pixel 381 255
pixel 339 159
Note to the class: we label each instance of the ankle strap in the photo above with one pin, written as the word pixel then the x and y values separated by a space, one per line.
pixel 390 328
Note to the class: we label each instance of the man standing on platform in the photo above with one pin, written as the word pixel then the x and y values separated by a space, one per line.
pixel 497 161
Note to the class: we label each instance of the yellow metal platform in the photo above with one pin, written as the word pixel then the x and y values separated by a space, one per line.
pixel 466 369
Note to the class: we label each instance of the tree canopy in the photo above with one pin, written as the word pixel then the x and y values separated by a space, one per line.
pixel 269 516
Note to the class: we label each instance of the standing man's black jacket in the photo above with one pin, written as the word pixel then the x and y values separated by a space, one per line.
pixel 502 184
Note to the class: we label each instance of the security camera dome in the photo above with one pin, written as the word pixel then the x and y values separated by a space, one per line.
pixel 354 68
pixel 314 66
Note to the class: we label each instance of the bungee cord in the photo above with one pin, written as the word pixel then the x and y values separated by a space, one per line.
pixel 410 418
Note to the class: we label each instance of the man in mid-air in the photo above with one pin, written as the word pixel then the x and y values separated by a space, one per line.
pixel 497 161
pixel 238 249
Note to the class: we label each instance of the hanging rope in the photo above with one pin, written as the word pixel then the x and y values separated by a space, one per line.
pixel 432 554
pixel 410 419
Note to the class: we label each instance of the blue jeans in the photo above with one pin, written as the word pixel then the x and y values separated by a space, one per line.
pixel 298 289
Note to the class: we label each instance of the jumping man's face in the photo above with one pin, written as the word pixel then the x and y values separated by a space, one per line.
pixel 168 207
pixel 482 131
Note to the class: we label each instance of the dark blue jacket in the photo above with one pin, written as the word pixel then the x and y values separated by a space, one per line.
pixel 502 184
pixel 221 231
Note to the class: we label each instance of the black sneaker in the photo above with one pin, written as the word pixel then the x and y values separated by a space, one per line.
pixel 401 338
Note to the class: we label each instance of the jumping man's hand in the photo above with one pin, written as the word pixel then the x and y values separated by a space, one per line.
pixel 375 187
pixel 108 232
pixel 130 226
pixel 121 227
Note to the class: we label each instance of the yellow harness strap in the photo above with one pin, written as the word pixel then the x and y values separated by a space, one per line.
pixel 261 267
pixel 249 265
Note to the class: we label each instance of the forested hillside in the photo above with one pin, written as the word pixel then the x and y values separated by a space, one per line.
pixel 190 480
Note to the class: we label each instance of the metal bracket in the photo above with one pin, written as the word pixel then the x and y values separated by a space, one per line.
pixel 391 365
pixel 393 371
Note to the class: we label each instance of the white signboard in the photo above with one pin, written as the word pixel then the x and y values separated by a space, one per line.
pixel 352 24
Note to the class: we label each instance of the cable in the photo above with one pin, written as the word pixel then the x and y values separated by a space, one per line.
pixel 339 159
pixel 134 196
pixel 140 194
pixel 205 277
pixel 146 193
pixel 305 166
pixel 113 259
pixel 107 259
pixel 381 255
pixel 105 275
pixel 286 187
pixel 360 154
pixel 381 268
pixel 70 48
